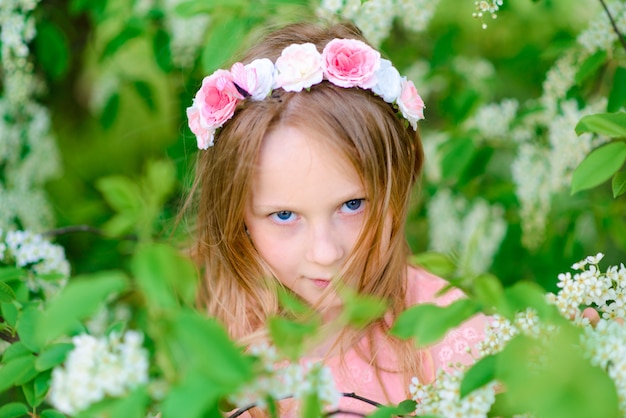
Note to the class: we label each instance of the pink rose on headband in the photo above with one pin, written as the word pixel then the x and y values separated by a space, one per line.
pixel 299 67
pixel 350 63
pixel 389 85
pixel 410 103
pixel 256 78
pixel 214 104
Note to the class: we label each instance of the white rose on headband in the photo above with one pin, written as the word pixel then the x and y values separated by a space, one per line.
pixel 410 103
pixel 350 63
pixel 389 84
pixel 264 69
pixel 299 67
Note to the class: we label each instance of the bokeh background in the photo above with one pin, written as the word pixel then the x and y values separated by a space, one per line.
pixel 97 88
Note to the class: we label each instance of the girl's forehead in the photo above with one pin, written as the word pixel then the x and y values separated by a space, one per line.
pixel 293 162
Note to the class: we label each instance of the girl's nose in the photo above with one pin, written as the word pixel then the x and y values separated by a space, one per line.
pixel 325 246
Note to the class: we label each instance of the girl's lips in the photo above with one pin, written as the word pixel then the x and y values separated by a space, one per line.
pixel 321 283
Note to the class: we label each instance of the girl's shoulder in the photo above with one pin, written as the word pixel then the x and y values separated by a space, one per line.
pixel 425 287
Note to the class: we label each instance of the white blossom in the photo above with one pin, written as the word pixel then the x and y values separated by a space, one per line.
pixel 97 368
pixel 442 397
pixel 472 230
pixel 279 379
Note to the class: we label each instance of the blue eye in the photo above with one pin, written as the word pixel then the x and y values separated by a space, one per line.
pixel 282 216
pixel 353 205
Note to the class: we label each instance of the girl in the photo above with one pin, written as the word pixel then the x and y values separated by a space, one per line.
pixel 311 152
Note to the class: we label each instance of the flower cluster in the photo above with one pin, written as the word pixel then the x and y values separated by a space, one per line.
pixel 376 17
pixel 96 368
pixel 278 381
pixel 442 397
pixel 346 63
pixel 478 221
pixel 604 343
pixel 31 251
pixel 591 287
pixel 483 7
pixel 605 346
pixel 28 151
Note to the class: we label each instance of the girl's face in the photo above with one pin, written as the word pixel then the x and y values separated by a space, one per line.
pixel 305 212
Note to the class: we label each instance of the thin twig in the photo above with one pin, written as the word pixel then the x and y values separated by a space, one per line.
pixel 85 228
pixel 360 398
pixel 331 413
pixel 74 228
pixel 621 38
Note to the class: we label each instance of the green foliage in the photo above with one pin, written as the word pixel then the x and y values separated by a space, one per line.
pixel 77 302
pixel 140 123
pixel 404 407
pixel 599 166
pixel 428 323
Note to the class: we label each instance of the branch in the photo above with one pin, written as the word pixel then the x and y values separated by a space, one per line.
pixel 84 228
pixel 615 28
pixel 331 413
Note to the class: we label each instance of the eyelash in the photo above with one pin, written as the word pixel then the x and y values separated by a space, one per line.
pixel 275 215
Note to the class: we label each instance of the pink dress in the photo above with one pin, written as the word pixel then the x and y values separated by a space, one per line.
pixel 355 375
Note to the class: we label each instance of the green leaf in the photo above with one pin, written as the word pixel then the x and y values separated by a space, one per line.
pixel 488 290
pixel 311 406
pixel 437 263
pixel 121 224
pixel 523 295
pixel 13 410
pixel 161 179
pixel 609 124
pixel 8 274
pixel 79 300
pixel 360 310
pixel 26 327
pixel 428 323
pixel 161 49
pixel 9 313
pixel 192 397
pixel 457 155
pixel 132 29
pixel 618 184
pixel 17 372
pixel 109 113
pixel 15 350
pixel 552 378
pixel 51 413
pixel 164 276
pixel 120 192
pixel 52 49
pixel 144 91
pixel 290 335
pixel 133 405
pixel 199 338
pixel 590 66
pixel 617 97
pixel 7 294
pixel 403 408
pixel 599 166
pixel 292 304
pixel 53 356
pixel 224 40
pixel 480 374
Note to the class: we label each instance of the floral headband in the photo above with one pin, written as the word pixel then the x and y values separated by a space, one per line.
pixel 343 62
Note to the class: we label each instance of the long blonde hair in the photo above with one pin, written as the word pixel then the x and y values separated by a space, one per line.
pixel 237 288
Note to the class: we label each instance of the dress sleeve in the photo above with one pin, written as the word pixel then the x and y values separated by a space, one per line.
pixel 459 344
